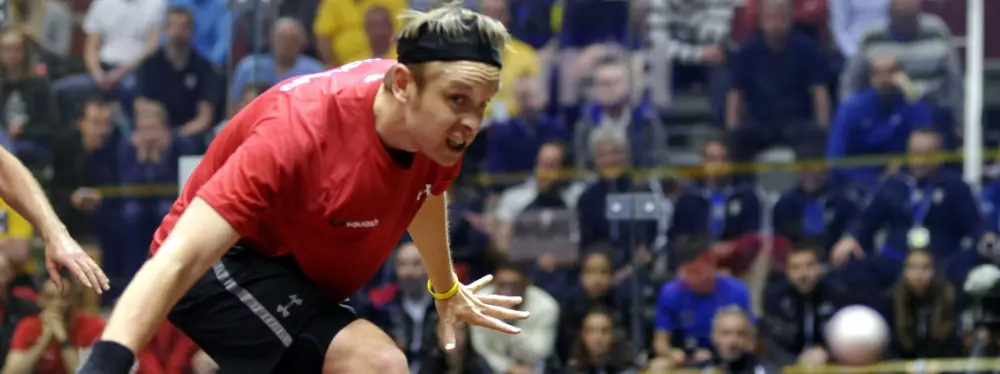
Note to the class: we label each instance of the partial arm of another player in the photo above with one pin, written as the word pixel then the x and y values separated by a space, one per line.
pixel 200 238
pixel 23 193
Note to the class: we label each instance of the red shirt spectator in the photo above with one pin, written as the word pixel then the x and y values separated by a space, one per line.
pixel 169 352
pixel 83 331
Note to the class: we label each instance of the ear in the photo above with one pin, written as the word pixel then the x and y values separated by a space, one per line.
pixel 400 78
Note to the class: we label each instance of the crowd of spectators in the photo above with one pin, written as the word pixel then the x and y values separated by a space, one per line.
pixel 621 270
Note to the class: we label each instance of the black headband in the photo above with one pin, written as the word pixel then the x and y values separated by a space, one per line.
pixel 466 45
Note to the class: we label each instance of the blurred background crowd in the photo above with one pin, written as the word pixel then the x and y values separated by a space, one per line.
pixel 667 183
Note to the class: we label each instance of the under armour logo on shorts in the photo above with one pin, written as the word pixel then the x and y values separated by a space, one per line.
pixel 285 309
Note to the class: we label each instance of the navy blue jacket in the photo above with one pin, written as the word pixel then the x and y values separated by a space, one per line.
pixel 694 212
pixel 836 206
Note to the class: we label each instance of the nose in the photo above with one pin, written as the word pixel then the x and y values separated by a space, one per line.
pixel 470 126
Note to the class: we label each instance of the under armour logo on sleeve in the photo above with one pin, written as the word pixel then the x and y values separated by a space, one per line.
pixel 425 193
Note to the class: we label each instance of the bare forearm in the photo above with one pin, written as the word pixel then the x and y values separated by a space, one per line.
pixel 429 231
pixel 821 101
pixel 733 109
pixel 24 362
pixel 70 358
pixel 20 189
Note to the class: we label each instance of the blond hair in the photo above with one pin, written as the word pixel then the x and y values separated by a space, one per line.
pixel 736 311
pixel 450 19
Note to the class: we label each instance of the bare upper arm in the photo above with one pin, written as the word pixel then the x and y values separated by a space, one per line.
pixel 17 362
pixel 199 239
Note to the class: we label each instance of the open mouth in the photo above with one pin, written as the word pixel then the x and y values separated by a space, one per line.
pixel 456 146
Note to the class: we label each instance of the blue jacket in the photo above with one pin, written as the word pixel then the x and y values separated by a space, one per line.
pixel 823 217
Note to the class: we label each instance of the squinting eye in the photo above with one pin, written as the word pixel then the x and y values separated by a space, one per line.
pixel 457 99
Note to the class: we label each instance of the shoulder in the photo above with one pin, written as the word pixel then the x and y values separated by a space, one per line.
pixel 518 194
pixel 541 299
pixel 733 284
pixel 804 42
pixel 672 289
pixel 859 100
pixel 30 325
pixel 933 25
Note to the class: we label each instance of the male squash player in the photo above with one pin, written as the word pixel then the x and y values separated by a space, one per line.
pixel 301 198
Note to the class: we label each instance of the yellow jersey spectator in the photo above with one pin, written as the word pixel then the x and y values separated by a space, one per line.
pixel 519 60
pixel 352 30
pixel 16 235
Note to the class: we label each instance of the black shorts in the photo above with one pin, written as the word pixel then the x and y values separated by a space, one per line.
pixel 259 315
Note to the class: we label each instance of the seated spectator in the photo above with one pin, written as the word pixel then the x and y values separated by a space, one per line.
pixel 461 360
pixel 288 40
pixel 47 23
pixel 83 160
pixel 611 107
pixel 535 22
pixel 519 61
pixel 546 189
pixel 595 290
pixel 180 78
pixel 404 310
pixel 714 205
pixel 340 28
pixel 734 337
pixel 169 352
pixel 213 25
pixel 16 236
pixel 810 18
pixel 381 32
pixel 922 310
pixel 14 308
pixel 923 206
pixel 696 34
pixel 600 347
pixel 590 22
pixel 851 20
pixel 923 45
pixel 147 158
pixel 29 115
pixel 52 342
pixel 513 144
pixel 797 309
pixel 468 232
pixel 876 121
pixel 685 309
pixel 249 93
pixel 816 209
pixel 120 35
pixel 536 342
pixel 779 77
pixel 609 150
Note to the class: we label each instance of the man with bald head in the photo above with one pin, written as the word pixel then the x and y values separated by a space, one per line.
pixel 288 40
pixel 877 121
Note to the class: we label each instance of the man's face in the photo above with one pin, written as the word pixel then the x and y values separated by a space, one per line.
pixel 775 21
pixel 610 158
pixel 905 12
pixel 12 53
pixel 96 122
pixel 923 150
pixel 496 9
pixel 595 275
pixel 812 178
pixel 699 276
pixel 378 24
pixel 611 85
pixel 286 42
pixel 731 337
pixel 548 164
pixel 410 272
pixel 803 270
pixel 445 115
pixel 884 68
pixel 179 28
pixel 715 160
pixel 530 95
pixel 510 283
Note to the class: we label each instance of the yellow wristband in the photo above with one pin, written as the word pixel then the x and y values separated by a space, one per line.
pixel 442 296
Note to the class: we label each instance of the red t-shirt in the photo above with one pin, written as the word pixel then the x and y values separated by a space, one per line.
pixel 302 171
pixel 83 332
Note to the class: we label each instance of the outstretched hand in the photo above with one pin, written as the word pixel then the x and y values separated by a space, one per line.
pixel 62 251
pixel 487 311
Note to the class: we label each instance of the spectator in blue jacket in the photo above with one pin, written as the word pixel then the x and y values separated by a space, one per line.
pixel 816 209
pixel 876 121
pixel 715 206
pixel 924 206
pixel 513 144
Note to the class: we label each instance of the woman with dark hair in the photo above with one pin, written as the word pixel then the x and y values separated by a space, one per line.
pixel 922 310
pixel 462 360
pixel 600 348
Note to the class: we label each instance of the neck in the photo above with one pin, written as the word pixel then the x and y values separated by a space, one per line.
pixel 776 44
pixel 91 143
pixel 390 123
pixel 713 182
pixel 284 63
pixel 14 74
pixel 176 51
pixel 615 111
pixel 380 46
pixel 416 297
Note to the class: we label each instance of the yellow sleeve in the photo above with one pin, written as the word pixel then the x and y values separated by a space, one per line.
pixel 325 24
pixel 556 19
pixel 16 226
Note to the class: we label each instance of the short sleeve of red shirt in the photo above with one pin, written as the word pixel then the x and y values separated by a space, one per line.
pixel 26 333
pixel 445 175
pixel 269 159
pixel 86 330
